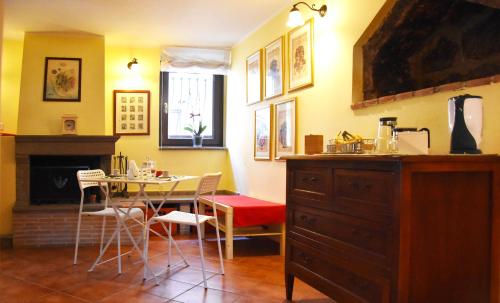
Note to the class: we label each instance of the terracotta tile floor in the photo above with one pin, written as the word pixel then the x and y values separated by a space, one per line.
pixel 47 275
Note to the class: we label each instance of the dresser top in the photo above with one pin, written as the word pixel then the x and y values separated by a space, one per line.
pixel 396 157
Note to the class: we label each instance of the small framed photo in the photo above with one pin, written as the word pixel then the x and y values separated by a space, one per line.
pixel 300 57
pixel 62 80
pixel 254 77
pixel 130 97
pixel 262 133
pixel 284 130
pixel 273 62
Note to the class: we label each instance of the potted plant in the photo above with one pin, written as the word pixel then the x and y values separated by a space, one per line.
pixel 196 132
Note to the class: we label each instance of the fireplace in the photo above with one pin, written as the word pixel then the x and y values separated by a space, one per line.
pixel 46 167
pixel 53 179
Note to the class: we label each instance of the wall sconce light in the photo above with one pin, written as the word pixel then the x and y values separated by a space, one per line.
pixel 132 65
pixel 295 17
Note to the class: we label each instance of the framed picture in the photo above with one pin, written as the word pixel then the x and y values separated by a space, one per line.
pixel 284 130
pixel 273 62
pixel 262 133
pixel 62 79
pixel 300 57
pixel 254 77
pixel 128 119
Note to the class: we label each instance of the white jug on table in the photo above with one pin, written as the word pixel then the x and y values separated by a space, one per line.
pixel 133 170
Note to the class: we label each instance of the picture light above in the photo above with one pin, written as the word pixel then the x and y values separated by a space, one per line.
pixel 295 17
pixel 132 65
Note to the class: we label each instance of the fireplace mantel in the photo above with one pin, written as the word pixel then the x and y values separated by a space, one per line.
pixel 67 145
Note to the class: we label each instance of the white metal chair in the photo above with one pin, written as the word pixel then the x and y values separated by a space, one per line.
pixel 208 185
pixel 135 213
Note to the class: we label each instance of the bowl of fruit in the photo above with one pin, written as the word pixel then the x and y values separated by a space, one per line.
pixel 345 143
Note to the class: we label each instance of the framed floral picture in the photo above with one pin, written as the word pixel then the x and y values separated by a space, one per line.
pixel 62 79
pixel 262 133
pixel 273 62
pixel 284 130
pixel 131 112
pixel 254 77
pixel 300 57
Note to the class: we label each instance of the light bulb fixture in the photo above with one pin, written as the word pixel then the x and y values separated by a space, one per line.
pixel 132 64
pixel 295 17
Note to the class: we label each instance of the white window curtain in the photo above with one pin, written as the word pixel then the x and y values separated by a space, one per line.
pixel 196 60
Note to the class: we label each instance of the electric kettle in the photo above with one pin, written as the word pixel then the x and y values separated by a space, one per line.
pixel 465 119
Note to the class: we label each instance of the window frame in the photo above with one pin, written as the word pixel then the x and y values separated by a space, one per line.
pixel 217 116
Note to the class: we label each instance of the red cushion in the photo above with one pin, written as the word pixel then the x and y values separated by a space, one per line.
pixel 249 211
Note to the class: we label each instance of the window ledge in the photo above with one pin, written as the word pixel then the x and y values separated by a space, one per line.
pixel 193 148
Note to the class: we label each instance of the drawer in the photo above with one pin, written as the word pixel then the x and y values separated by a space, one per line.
pixel 375 187
pixel 339 230
pixel 335 277
pixel 364 194
pixel 311 182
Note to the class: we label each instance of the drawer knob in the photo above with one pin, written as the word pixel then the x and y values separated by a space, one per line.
pixel 355 185
pixel 309 179
pixel 307 220
pixel 306 259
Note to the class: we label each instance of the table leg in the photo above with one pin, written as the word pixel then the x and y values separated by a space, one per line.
pixel 229 234
pixel 282 239
pixel 136 246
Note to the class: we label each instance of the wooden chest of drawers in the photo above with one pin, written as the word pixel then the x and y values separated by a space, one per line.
pixel 419 229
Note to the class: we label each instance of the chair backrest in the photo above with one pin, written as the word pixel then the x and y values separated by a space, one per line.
pixel 83 175
pixel 208 184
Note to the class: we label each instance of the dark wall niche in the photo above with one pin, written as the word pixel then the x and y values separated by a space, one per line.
pixel 416 44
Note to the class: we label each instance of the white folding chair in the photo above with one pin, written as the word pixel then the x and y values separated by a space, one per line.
pixel 208 185
pixel 136 213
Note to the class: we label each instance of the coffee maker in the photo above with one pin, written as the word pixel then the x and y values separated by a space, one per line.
pixel 465 120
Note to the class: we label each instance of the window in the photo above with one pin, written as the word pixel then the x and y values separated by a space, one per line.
pixel 186 99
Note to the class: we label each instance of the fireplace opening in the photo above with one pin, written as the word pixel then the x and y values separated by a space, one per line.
pixel 417 44
pixel 53 179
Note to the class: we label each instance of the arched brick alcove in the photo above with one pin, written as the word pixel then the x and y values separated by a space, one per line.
pixel 424 46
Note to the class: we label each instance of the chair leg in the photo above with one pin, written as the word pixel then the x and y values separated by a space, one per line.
pixel 169 244
pixel 146 250
pixel 202 256
pixel 77 238
pixel 118 236
pixel 219 246
pixel 102 233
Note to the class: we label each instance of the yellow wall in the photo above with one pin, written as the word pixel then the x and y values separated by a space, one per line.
pixel 325 108
pixel 194 162
pixel 38 117
pixel 7 183
pixel 12 57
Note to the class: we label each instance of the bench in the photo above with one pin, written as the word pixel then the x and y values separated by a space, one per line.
pixel 246 217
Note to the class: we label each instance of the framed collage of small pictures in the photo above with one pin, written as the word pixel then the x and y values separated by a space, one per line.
pixel 131 112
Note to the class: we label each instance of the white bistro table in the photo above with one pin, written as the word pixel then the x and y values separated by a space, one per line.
pixel 141 199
